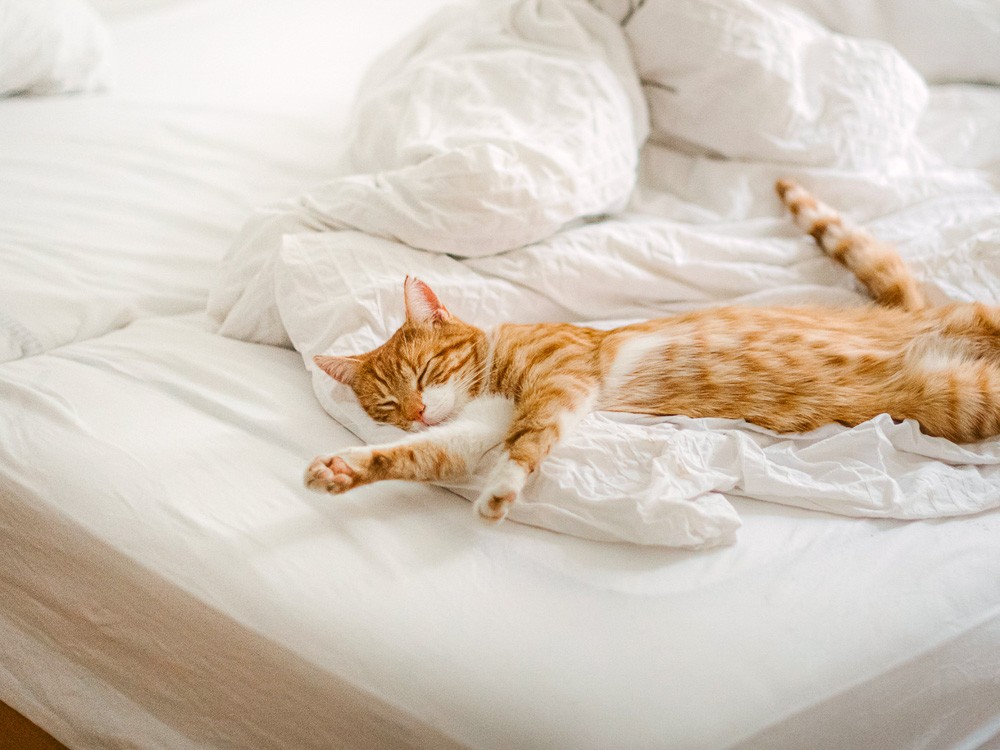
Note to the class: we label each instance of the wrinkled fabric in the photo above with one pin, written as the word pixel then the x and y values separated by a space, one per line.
pixel 52 47
pixel 487 129
pixel 739 94
pixel 130 207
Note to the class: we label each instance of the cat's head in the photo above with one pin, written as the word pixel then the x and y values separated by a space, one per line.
pixel 425 373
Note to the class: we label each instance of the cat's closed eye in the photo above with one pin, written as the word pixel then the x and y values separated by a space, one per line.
pixel 425 372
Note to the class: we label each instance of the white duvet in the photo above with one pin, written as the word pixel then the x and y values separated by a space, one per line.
pixel 552 160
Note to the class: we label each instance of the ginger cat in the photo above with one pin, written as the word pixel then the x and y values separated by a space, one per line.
pixel 789 369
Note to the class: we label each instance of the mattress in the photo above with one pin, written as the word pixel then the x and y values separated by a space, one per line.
pixel 166 582
pixel 191 594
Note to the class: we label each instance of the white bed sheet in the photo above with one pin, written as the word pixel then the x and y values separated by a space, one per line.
pixel 166 582
pixel 110 210
pixel 118 206
pixel 188 575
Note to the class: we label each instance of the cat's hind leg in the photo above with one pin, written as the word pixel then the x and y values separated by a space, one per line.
pixel 975 323
pixel 951 394
pixel 876 265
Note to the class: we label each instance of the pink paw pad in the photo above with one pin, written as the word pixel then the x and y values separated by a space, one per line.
pixel 341 475
pixel 330 474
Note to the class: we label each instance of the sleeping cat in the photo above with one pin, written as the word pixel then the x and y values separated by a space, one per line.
pixel 465 390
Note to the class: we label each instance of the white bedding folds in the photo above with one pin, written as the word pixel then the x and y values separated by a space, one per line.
pixel 118 206
pixel 52 47
pixel 514 208
pixel 165 580
pixel 129 209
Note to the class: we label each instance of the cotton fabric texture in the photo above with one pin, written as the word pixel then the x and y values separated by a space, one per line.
pixel 493 153
pixel 52 47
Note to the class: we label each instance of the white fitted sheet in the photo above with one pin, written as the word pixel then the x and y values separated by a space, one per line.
pixel 111 210
pixel 118 206
pixel 166 582
pixel 159 544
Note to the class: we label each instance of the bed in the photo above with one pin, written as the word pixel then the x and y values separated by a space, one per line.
pixel 166 581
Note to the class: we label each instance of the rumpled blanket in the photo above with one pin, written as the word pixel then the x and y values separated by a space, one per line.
pixel 611 161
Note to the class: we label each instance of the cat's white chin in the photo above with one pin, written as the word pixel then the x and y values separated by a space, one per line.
pixel 439 404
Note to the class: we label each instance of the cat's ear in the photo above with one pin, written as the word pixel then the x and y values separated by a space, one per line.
pixel 422 305
pixel 341 369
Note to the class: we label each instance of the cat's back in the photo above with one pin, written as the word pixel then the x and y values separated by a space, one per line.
pixel 736 330
pixel 788 368
pixel 785 368
pixel 722 343
pixel 523 356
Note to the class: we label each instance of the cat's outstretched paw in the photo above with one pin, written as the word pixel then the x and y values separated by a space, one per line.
pixel 334 473
pixel 494 508
pixel 502 490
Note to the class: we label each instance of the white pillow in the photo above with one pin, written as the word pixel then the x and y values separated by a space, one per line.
pixel 493 126
pixel 489 128
pixel 51 47
pixel 947 41
pixel 758 80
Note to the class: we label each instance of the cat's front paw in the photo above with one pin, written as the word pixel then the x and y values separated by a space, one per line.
pixel 502 490
pixel 493 506
pixel 336 472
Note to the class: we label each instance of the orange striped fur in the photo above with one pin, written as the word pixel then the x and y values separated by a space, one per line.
pixel 789 369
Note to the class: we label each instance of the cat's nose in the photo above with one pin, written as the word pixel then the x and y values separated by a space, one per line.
pixel 414 410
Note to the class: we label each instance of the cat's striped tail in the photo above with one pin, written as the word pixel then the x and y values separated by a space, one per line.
pixel 875 264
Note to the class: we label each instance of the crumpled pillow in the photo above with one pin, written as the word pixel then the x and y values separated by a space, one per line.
pixel 953 41
pixel 760 81
pixel 52 47
pixel 490 130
